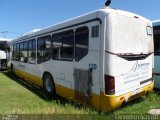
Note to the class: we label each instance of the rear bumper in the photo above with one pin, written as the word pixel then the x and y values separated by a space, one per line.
pixel 110 102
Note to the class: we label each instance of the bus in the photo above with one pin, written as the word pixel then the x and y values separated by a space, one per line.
pixel 156 32
pixel 3 57
pixel 102 59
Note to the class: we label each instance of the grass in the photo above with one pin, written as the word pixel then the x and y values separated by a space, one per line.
pixel 21 98
pixel 18 97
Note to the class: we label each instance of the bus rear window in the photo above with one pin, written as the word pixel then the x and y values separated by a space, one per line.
pixel 3 45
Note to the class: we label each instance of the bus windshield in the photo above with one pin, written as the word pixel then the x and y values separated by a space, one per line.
pixel 3 45
pixel 137 40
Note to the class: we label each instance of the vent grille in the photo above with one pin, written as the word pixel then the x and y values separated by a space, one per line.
pixel 83 83
pixel 95 31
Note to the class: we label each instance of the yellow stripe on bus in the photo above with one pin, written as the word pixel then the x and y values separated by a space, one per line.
pixel 100 102
pixel 29 77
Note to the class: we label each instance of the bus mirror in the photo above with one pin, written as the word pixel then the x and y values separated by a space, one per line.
pixel 22 59
pixel 25 59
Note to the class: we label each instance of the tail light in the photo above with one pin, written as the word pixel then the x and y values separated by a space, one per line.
pixel 109 85
pixel 152 73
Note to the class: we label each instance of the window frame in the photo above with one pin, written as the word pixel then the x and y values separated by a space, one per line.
pixel 31 49
pixel 77 60
pixel 14 48
pixel 73 44
pixel 17 52
pixel 23 49
pixel 42 38
pixel 3 45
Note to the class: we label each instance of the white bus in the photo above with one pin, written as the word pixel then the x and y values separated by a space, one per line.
pixel 103 58
pixel 156 32
pixel 3 47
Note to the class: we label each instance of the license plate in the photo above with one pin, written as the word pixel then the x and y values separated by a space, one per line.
pixel 136 92
pixel 135 96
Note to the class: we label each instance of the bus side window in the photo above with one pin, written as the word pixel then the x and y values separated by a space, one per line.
pixel 14 52
pixel 66 52
pixel 32 51
pixel 25 54
pixel 44 49
pixel 17 52
pixel 57 45
pixel 63 45
pixel 21 52
pixel 3 45
pixel 81 42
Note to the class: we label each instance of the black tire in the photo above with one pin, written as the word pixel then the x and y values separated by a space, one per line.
pixel 11 67
pixel 48 85
pixel 4 64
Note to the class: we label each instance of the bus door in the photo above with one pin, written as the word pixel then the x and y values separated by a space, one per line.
pixel 86 73
pixel 62 55
pixel 29 65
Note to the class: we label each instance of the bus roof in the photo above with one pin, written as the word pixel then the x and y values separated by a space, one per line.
pixel 5 39
pixel 75 20
pixel 156 22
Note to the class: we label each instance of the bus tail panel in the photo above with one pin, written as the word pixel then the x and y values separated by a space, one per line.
pixel 137 75
pixel 110 102
pixel 127 76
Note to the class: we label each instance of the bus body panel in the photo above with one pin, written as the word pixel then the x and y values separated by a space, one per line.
pixel 130 76
pixel 130 73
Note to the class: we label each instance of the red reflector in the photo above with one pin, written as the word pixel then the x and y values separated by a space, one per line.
pixel 121 98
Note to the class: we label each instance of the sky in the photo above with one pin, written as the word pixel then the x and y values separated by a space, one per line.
pixel 20 16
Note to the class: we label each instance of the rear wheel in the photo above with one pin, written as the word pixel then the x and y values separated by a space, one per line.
pixel 11 67
pixel 48 85
pixel 3 64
